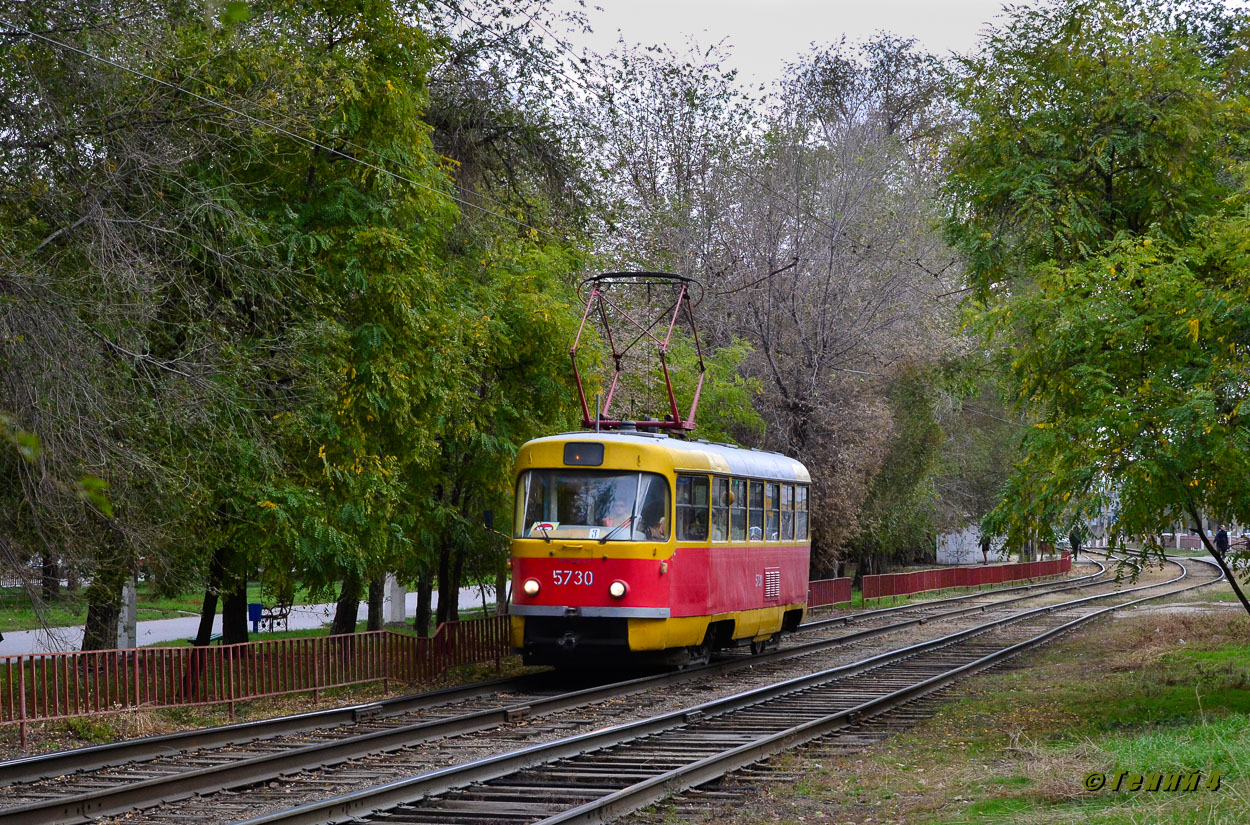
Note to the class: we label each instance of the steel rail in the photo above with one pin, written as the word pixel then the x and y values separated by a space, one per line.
pixel 181 785
pixel 34 768
pixel 362 802
pixel 688 776
pixel 45 766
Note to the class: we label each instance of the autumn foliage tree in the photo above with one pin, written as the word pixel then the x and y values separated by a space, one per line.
pixel 245 296
pixel 1098 198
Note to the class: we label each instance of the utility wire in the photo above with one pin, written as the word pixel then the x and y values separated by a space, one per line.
pixel 287 132
pixel 273 110
pixel 549 64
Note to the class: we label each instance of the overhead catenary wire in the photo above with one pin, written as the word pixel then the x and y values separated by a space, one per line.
pixel 288 133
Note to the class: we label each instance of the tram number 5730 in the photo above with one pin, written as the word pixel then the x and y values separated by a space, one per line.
pixel 577 578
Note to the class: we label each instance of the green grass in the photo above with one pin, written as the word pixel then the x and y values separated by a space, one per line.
pixel 1182 710
pixel 405 627
pixel 1014 747
pixel 18 613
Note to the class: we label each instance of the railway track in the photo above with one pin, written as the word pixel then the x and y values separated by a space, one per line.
pixel 598 776
pixel 103 792
pixel 486 693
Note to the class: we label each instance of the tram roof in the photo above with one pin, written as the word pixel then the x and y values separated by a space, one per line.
pixel 697 454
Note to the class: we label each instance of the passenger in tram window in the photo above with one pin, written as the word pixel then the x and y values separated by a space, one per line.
pixel 658 530
pixel 618 513
pixel 697 529
pixel 738 510
pixel 721 498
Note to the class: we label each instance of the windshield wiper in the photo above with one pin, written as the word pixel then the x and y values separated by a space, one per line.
pixel 546 535
pixel 614 529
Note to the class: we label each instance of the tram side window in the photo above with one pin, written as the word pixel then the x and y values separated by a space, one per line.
pixel 787 512
pixel 800 513
pixel 692 502
pixel 772 507
pixel 756 506
pixel 653 514
pixel 720 509
pixel 737 510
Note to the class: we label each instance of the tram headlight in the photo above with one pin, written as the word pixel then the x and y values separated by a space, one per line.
pixel 530 588
pixel 618 589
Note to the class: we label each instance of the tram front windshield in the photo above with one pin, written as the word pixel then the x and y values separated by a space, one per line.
pixel 592 504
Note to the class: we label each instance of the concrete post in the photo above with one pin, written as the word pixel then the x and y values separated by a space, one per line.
pixel 394 609
pixel 128 616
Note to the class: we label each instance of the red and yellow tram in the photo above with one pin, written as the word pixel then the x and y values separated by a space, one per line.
pixel 635 543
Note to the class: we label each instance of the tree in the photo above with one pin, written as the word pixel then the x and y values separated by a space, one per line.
pixel 982 436
pixel 1087 118
pixel 267 312
pixel 1097 198
pixel 899 515
pixel 1140 361
pixel 810 221
pixel 838 279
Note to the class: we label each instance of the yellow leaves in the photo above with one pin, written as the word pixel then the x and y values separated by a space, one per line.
pixel 268 505
pixel 1193 329
pixel 321 453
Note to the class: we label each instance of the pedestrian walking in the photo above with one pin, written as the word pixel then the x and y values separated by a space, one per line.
pixel 1221 540
pixel 1074 539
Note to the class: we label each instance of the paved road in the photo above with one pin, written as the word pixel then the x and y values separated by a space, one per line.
pixel 303 617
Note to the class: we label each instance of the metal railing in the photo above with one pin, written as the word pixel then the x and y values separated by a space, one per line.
pixel 46 686
pixel 944 578
pixel 825 592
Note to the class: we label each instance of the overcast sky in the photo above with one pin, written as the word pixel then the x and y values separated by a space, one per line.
pixel 765 34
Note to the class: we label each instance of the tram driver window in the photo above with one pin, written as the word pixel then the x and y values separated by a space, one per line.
pixel 692 508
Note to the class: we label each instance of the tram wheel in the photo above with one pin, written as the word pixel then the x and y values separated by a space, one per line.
pixel 699 655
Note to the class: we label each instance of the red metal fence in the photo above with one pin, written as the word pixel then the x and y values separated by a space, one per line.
pixel 1186 542
pixel 44 686
pixel 822 592
pixel 920 581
